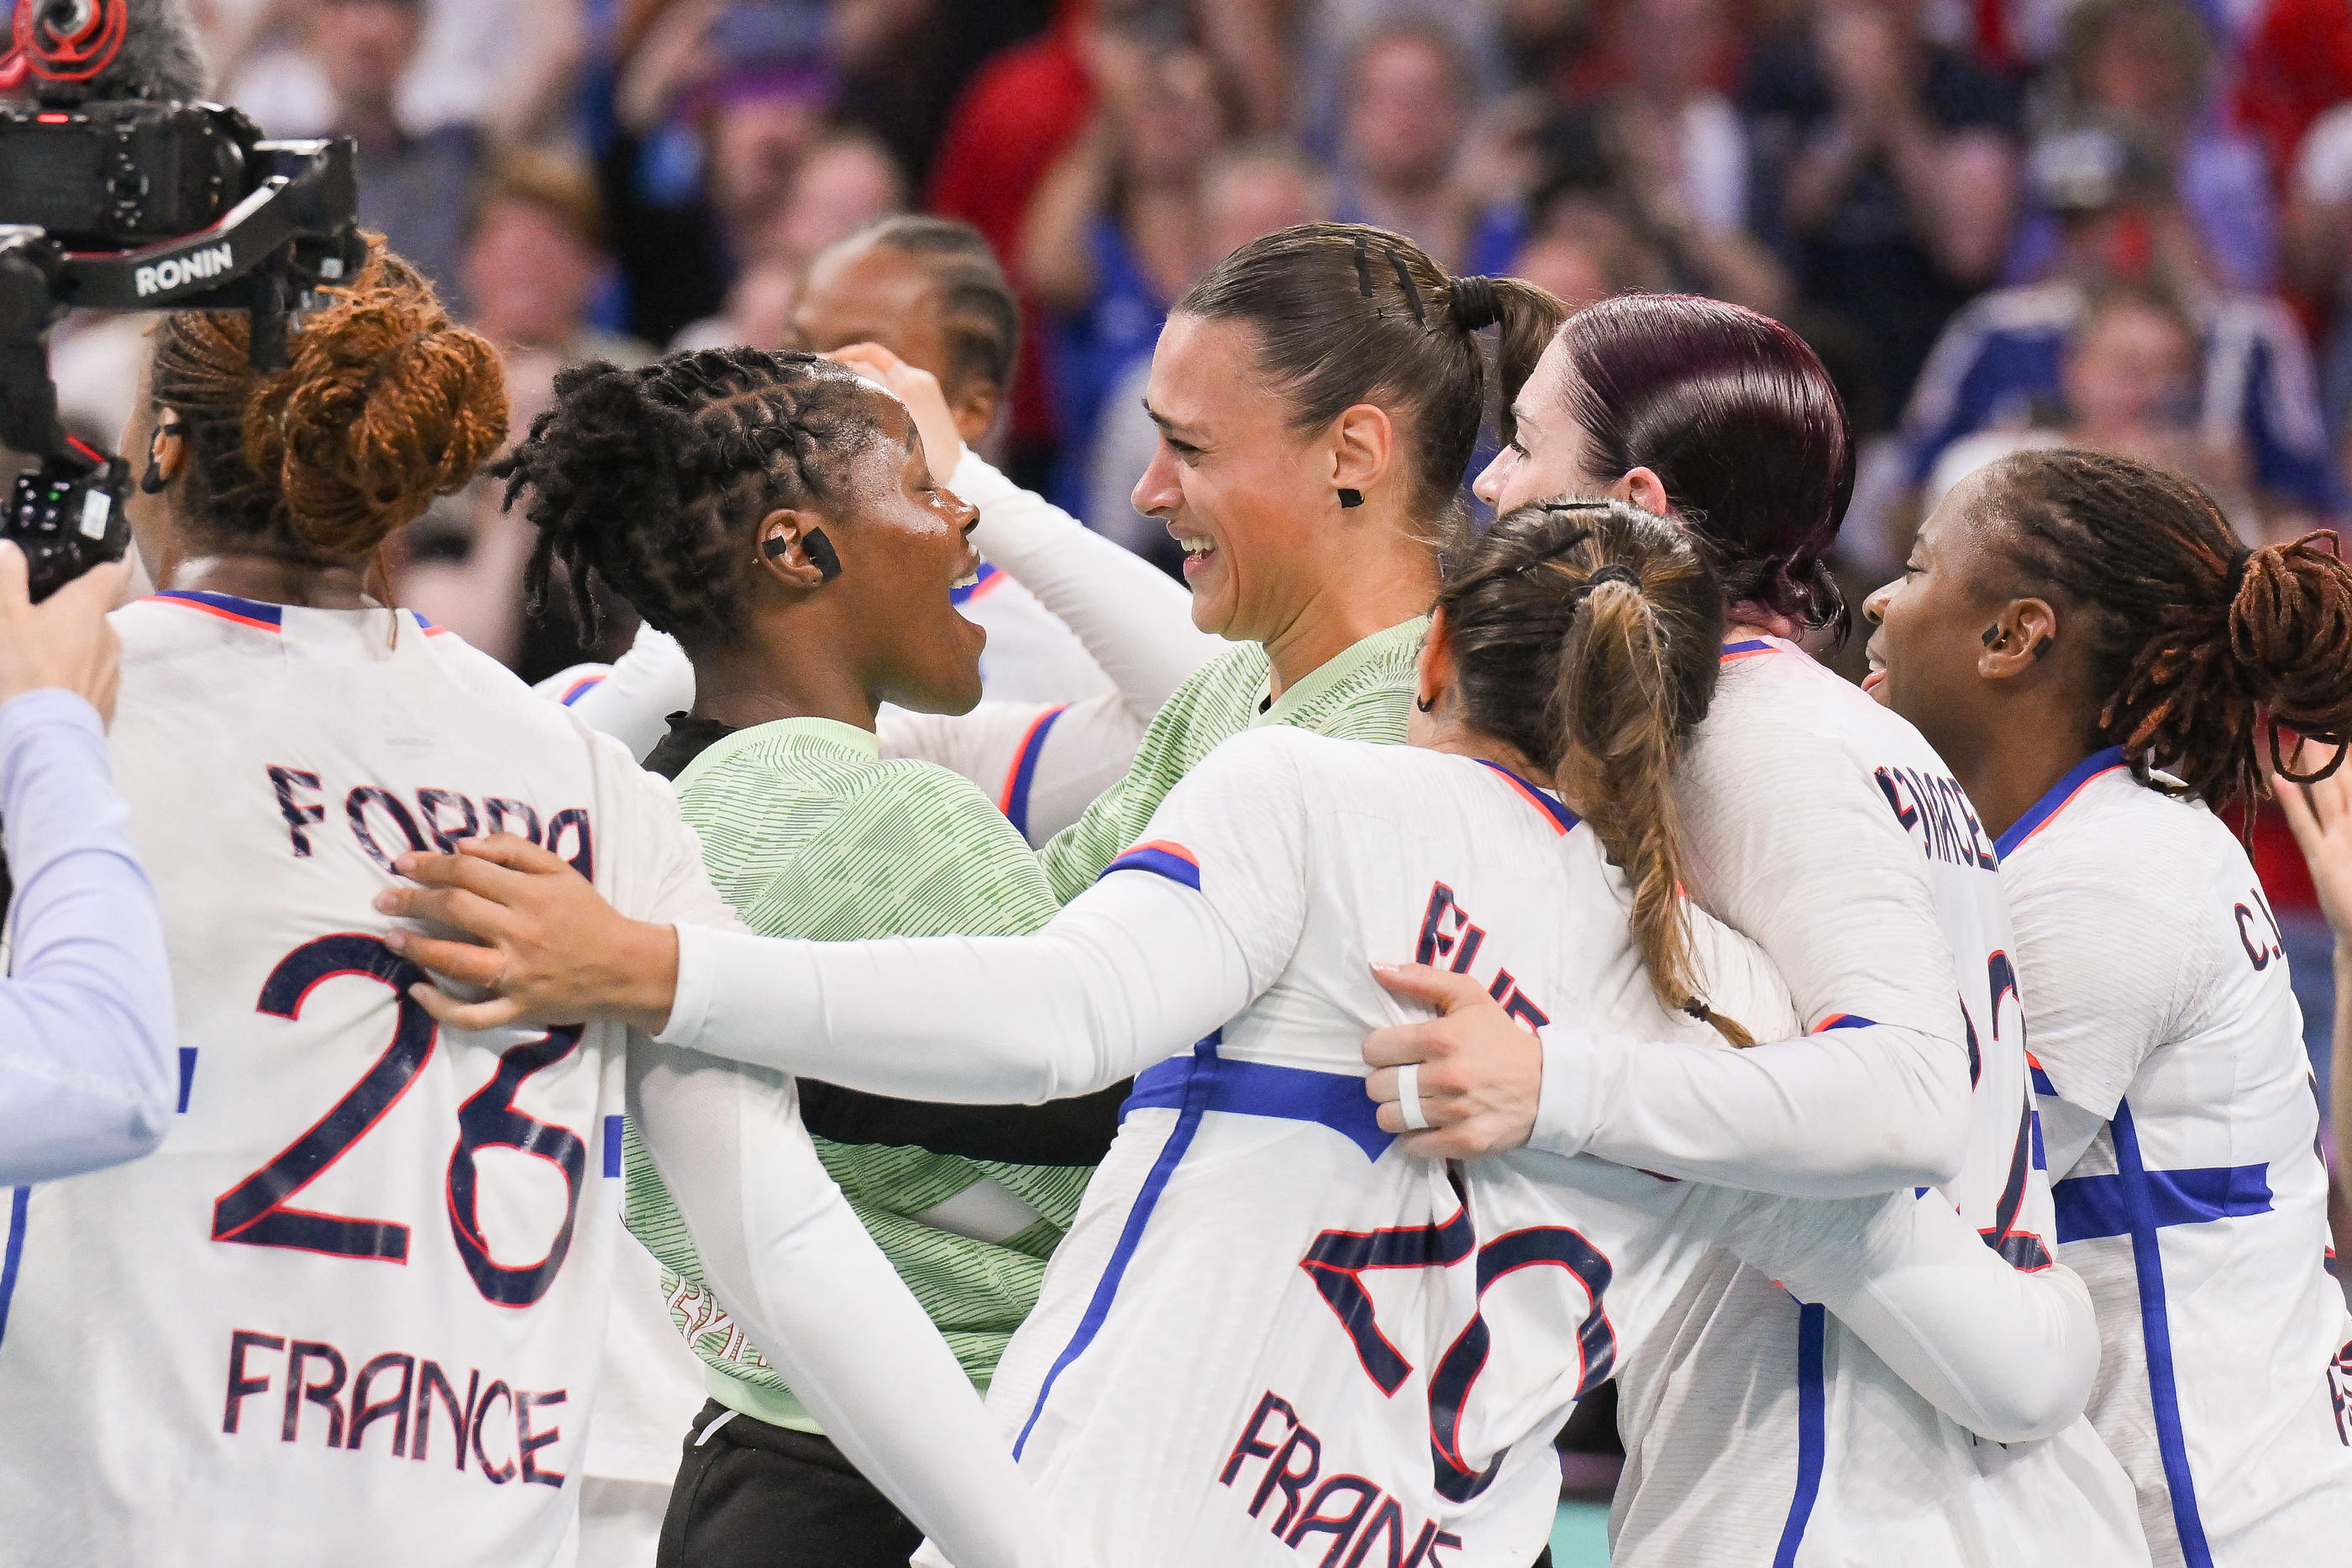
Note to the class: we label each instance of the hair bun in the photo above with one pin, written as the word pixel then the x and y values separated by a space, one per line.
pixel 1473 303
pixel 2291 631
pixel 383 404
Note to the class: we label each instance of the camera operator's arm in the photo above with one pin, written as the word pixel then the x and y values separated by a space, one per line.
pixel 86 1025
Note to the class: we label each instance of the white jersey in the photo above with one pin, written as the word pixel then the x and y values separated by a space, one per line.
pixel 352 1311
pixel 1271 1338
pixel 2156 985
pixel 1763 1430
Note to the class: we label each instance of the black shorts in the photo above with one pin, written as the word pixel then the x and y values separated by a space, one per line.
pixel 757 1496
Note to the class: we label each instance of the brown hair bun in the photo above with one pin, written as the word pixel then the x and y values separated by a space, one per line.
pixel 383 404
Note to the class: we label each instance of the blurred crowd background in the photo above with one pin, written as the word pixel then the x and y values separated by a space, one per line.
pixel 2121 224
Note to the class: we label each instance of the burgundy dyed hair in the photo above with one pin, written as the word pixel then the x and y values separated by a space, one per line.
pixel 1741 422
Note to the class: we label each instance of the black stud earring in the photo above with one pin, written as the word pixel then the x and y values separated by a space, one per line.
pixel 1352 498
pixel 1425 704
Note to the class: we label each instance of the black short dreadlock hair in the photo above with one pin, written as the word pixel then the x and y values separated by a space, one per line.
pixel 655 478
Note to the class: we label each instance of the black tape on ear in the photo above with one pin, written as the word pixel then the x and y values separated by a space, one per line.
pixel 2042 647
pixel 820 551
pixel 1992 635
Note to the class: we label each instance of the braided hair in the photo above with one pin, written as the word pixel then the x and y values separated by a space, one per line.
pixel 2197 643
pixel 655 478
pixel 1345 313
pixel 382 404
pixel 1589 635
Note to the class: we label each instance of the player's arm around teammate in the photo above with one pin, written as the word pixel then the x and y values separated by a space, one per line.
pixel 776 514
pixel 86 1069
pixel 1724 421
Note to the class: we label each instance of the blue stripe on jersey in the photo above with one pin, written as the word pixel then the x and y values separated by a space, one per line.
pixel 1812 1429
pixel 1753 646
pixel 612 1145
pixel 2156 1330
pixel 15 1253
pixel 1333 1100
pixel 1162 858
pixel 1015 804
pixel 1559 814
pixel 1180 1138
pixel 187 1075
pixel 2092 1206
pixel 2055 799
pixel 2041 1084
pixel 580 688
pixel 252 610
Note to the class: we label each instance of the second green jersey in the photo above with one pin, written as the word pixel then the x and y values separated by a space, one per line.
pixel 1360 693
pixel 808 833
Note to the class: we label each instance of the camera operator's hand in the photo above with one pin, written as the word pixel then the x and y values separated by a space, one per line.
pixel 64 641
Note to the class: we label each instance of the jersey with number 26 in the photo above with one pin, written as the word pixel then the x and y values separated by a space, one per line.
pixel 352 1311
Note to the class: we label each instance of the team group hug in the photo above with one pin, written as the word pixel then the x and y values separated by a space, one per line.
pixel 1065 1068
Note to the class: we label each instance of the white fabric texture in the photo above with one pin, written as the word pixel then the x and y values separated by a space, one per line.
pixel 2195 1207
pixel 1789 841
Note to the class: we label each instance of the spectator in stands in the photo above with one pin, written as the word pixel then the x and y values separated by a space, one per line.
pixel 411 185
pixel 1895 172
pixel 714 111
pixel 847 181
pixel 1406 120
pixel 1247 190
pixel 2128 377
pixel 2119 223
pixel 535 261
pixel 1117 231
pixel 2149 65
pixel 507 67
pixel 2297 61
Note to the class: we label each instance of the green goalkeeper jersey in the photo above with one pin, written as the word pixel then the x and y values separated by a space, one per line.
pixel 807 832
pixel 1360 693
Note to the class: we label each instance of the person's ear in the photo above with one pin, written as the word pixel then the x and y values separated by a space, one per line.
pixel 794 549
pixel 1432 670
pixel 1363 442
pixel 974 404
pixel 1644 489
pixel 167 452
pixel 2020 636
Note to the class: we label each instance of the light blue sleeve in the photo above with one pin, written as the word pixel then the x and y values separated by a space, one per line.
pixel 87 1037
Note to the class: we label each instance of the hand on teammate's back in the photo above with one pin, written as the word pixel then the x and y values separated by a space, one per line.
pixel 1481 1072
pixel 64 641
pixel 538 938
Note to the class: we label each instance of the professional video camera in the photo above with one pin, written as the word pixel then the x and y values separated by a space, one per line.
pixel 118 193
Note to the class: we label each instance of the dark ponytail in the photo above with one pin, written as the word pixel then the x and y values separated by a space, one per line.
pixel 2200 649
pixel 1347 314
pixel 1589 635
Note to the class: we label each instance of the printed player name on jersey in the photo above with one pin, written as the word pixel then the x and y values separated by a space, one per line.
pixel 396 1391
pixel 1345 1509
pixel 1447 932
pixel 386 824
pixel 1935 810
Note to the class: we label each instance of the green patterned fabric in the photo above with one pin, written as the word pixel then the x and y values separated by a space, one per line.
pixel 1362 693
pixel 807 833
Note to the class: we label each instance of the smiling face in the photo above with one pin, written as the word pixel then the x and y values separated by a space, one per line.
pixel 905 547
pixel 1930 623
pixel 1240 490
